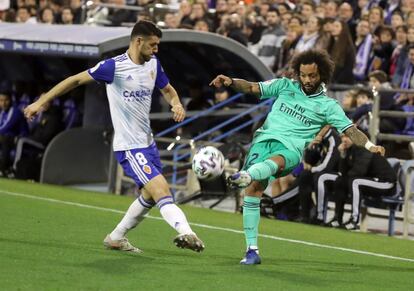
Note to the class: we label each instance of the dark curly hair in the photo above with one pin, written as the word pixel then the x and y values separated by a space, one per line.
pixel 319 57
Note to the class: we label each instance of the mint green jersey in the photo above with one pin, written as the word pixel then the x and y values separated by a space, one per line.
pixel 296 118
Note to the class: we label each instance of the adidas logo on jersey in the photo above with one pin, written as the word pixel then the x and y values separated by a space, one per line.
pixel 129 78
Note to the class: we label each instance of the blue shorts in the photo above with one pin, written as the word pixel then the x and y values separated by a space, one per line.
pixel 141 164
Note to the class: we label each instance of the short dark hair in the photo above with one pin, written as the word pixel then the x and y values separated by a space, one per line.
pixel 410 47
pixel 319 57
pixel 145 28
pixel 381 76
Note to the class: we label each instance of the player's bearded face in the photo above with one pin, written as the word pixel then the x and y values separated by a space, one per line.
pixel 149 47
pixel 310 78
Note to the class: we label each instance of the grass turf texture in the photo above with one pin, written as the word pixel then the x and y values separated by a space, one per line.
pixel 52 246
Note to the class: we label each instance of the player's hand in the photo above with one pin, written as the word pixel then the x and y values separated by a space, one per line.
pixel 307 167
pixel 32 110
pixel 377 150
pixel 178 112
pixel 221 80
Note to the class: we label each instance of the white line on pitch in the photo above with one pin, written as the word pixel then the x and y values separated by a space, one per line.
pixel 213 227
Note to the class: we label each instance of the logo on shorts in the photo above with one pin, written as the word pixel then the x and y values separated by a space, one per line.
pixel 147 169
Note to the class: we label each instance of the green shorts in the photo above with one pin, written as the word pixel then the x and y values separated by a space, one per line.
pixel 269 148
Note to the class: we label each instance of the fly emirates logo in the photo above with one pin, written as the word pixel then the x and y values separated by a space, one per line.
pixel 298 112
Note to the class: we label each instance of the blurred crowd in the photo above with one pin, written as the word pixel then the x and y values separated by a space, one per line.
pixel 362 36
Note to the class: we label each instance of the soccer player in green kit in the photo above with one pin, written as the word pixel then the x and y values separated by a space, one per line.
pixel 300 110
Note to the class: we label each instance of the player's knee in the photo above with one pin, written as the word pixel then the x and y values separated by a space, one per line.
pixel 255 189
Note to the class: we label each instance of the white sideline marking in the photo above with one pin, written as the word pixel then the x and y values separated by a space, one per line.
pixel 213 227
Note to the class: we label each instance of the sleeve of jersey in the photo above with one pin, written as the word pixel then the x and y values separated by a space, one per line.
pixel 271 88
pixel 336 117
pixel 103 71
pixel 162 80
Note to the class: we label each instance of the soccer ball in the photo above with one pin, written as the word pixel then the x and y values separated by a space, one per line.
pixel 208 163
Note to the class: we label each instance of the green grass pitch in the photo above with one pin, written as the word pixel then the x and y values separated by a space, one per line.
pixel 51 239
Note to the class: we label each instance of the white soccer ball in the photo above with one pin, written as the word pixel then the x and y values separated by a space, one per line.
pixel 208 163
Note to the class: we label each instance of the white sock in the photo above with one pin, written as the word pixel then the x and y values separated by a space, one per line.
pixel 133 216
pixel 173 215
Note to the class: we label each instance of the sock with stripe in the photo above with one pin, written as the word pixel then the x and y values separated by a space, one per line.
pixel 251 218
pixel 173 215
pixel 134 215
pixel 263 170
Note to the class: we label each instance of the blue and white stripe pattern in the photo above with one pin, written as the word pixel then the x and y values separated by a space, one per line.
pixel 164 201
pixel 142 164
pixel 136 167
pixel 146 203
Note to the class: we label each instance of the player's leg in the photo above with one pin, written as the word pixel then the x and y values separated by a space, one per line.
pixel 265 160
pixel 251 220
pixel 159 190
pixel 139 207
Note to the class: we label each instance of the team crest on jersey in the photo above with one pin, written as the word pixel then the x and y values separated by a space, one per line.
pixel 152 75
pixel 147 169
pixel 317 109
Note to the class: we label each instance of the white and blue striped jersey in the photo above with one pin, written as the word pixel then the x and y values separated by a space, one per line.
pixel 129 88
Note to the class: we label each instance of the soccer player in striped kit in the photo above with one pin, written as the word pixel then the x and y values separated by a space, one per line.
pixel 130 79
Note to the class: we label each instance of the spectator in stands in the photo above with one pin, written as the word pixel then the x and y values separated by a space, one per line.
pixel 48 126
pixel 360 116
pixel 46 16
pixel 401 42
pixel 331 9
pixel 363 44
pixel 119 16
pixel 221 9
pixel 171 20
pixel 285 19
pixel 56 6
pixel 12 125
pixel 379 80
pixel 76 6
pixel 97 15
pixel 407 81
pixel 345 14
pixel 294 32
pixel 233 29
pixel 67 16
pixel 271 41
pixel 403 58
pixel 312 36
pixel 184 12
pixel 410 18
pixel 23 15
pixel 198 12
pixel 307 10
pixel 343 54
pixel 362 173
pixel 397 19
pixel 392 7
pixel 375 18
pixel 349 101
pixel 296 20
pixel 383 49
pixel 201 25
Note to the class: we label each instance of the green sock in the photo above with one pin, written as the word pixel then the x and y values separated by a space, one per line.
pixel 263 170
pixel 251 218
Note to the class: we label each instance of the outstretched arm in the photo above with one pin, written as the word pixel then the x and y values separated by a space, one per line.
pixel 171 96
pixel 61 88
pixel 239 85
pixel 360 139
